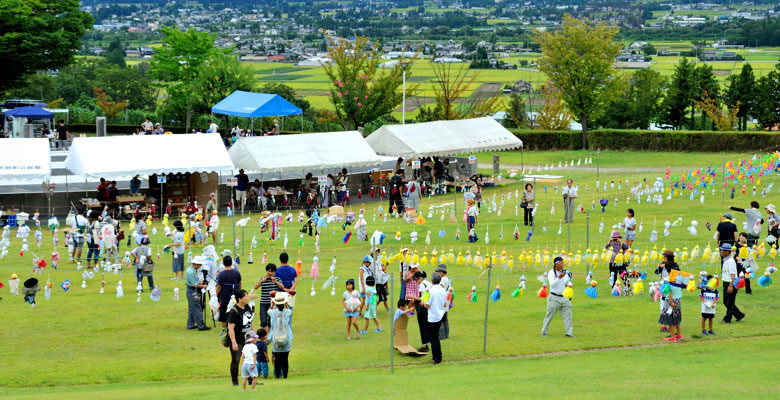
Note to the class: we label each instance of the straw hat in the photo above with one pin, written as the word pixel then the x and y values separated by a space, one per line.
pixel 280 298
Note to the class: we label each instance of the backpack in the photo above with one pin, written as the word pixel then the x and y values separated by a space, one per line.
pixel 280 329
pixel 81 228
pixel 225 339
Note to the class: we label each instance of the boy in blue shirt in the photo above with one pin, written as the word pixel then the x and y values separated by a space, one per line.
pixel 262 353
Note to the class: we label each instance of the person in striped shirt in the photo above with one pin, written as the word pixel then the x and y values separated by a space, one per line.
pixel 268 283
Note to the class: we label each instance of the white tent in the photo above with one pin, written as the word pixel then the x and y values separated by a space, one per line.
pixel 124 156
pixel 303 152
pixel 441 138
pixel 25 161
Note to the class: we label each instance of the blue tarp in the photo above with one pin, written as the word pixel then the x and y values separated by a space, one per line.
pixel 254 105
pixel 31 112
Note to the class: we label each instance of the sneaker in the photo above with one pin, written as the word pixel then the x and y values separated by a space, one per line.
pixel 363 332
pixel 670 339
pixel 205 328
pixel 663 329
pixel 740 319
pixel 725 322
pixel 679 337
pixel 348 339
pixel 423 349
pixel 711 332
pixel 378 330
pixel 704 332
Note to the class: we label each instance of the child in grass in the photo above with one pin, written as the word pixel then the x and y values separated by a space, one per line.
pixel 351 309
pixel 371 300
pixel 262 353
pixel 249 361
pixel 708 299
pixel 629 223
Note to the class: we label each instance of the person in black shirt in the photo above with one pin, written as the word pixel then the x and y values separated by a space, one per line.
pixel 726 232
pixel 228 284
pixel 63 136
pixel 240 321
pixel 395 192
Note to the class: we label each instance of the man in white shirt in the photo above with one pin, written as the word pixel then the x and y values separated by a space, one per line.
pixel 569 195
pixel 436 305
pixel 147 126
pixel 444 331
pixel 730 277
pixel 78 229
pixel 557 280
pixel 213 128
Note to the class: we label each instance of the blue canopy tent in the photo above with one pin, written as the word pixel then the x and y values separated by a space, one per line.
pixel 256 105
pixel 21 114
pixel 31 112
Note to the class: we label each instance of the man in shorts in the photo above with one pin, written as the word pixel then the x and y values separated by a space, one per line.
pixel 78 228
pixel 241 186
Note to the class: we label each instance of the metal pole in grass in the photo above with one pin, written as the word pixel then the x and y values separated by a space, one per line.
pixel 533 224
pixel 392 326
pixel 598 163
pixel 568 232
pixel 487 302
pixel 587 229
pixel 723 191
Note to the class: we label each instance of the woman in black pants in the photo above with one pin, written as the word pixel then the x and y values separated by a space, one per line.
pixel 528 204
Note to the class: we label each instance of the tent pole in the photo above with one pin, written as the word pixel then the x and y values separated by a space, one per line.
pixel 301 122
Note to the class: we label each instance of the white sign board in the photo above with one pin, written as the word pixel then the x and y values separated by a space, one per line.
pixel 162 179
pixel 416 164
pixel 322 180
pixel 472 159
pixel 231 182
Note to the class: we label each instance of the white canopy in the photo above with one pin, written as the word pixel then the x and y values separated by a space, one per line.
pixel 24 161
pixel 123 156
pixel 441 138
pixel 307 152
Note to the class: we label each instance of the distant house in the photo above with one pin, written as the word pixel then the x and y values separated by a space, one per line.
pixel 132 52
pixel 708 56
pixel 728 55
pixel 276 58
pixel 521 86
pixel 146 51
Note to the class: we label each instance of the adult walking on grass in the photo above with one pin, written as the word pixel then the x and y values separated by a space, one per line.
pixel 528 204
pixel 280 334
pixel 240 320
pixel 569 195
pixel 194 286
pixel 228 284
pixel 558 280
pixel 729 276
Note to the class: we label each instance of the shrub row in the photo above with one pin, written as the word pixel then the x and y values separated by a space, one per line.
pixel 638 140
pixel 116 129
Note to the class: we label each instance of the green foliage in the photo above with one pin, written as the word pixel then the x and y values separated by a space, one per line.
pixel 287 92
pixel 742 90
pixel 637 104
pixel 219 77
pixel 767 101
pixel 680 94
pixel 638 140
pixel 360 91
pixel 516 116
pixel 579 60
pixel 38 35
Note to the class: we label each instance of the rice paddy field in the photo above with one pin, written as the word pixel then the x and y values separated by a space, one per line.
pixel 312 84
pixel 83 343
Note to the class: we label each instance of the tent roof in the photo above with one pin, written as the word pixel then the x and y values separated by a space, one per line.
pixel 29 112
pixel 253 105
pixel 25 161
pixel 306 152
pixel 124 156
pixel 440 138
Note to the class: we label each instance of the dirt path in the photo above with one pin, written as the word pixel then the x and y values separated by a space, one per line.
pixel 588 169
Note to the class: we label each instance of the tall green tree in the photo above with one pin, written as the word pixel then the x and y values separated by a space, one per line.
pixel 705 86
pixel 360 90
pixel 287 92
pixel 516 116
pixel 177 64
pixel 39 34
pixel 579 60
pixel 637 104
pixel 219 77
pixel 680 94
pixel 767 104
pixel 742 90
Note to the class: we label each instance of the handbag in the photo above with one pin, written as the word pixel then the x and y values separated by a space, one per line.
pixel 148 266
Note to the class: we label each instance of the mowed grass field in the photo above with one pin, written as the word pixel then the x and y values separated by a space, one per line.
pixel 312 84
pixel 82 342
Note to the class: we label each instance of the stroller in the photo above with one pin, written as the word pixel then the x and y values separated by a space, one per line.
pixel 29 290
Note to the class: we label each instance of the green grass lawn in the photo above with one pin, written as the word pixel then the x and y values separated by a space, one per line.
pixel 122 348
